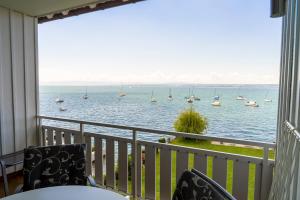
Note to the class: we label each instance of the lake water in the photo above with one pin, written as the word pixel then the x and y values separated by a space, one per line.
pixel 232 119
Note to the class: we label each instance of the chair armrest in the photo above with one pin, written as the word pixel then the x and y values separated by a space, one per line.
pixel 19 189
pixel 91 181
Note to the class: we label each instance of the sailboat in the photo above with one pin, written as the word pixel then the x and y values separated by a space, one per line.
pixel 121 93
pixel 251 103
pixel 267 99
pixel 195 98
pixel 59 100
pixel 170 97
pixel 189 99
pixel 85 96
pixel 216 100
pixel 216 103
pixel 62 109
pixel 240 97
pixel 153 100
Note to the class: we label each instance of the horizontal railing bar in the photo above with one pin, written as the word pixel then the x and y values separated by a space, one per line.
pixel 97 135
pixel 204 152
pixel 291 127
pixel 61 129
pixel 161 132
pixel 104 136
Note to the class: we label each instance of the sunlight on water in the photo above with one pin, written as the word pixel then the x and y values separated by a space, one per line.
pixel 232 119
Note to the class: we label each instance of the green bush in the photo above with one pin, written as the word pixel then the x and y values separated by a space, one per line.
pixel 162 140
pixel 190 121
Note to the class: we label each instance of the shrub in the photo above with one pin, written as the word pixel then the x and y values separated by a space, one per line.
pixel 162 140
pixel 190 121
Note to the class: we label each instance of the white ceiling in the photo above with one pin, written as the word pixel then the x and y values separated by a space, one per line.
pixel 38 8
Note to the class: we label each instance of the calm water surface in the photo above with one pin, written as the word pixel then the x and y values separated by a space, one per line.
pixel 233 119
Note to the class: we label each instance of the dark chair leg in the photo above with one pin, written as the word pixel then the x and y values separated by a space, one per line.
pixel 4 176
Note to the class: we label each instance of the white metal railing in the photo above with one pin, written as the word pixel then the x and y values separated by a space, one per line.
pixel 146 154
pixel 286 174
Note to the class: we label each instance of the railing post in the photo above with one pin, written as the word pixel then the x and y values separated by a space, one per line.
pixel 134 164
pixel 82 133
pixel 266 175
pixel 39 132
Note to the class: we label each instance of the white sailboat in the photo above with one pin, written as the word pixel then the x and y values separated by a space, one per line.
pixel 189 98
pixel 85 96
pixel 194 97
pixel 251 103
pixel 216 103
pixel 240 97
pixel 122 93
pixel 62 109
pixel 267 99
pixel 216 99
pixel 153 100
pixel 59 100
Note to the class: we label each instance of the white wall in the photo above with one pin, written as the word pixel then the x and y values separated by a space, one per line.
pixel 18 81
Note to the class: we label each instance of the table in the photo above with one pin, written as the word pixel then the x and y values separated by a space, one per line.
pixel 67 193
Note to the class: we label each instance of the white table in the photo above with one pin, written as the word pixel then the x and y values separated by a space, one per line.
pixel 67 193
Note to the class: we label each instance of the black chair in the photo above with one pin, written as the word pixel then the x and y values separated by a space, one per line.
pixel 9 160
pixel 55 166
pixel 194 185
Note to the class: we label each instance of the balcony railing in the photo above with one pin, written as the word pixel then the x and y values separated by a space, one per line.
pixel 155 167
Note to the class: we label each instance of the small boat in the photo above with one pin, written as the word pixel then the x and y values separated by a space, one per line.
pixel 170 97
pixel 153 100
pixel 189 100
pixel 85 96
pixel 196 98
pixel 240 97
pixel 267 99
pixel 122 93
pixel 216 98
pixel 216 103
pixel 58 100
pixel 62 109
pixel 251 104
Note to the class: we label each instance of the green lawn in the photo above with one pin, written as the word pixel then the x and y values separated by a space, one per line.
pixel 207 145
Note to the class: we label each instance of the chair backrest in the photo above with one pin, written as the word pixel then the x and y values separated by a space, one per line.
pixel 195 185
pixel 54 166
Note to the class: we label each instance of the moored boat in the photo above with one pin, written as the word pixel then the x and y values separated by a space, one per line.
pixel 216 103
pixel 251 104
pixel 59 100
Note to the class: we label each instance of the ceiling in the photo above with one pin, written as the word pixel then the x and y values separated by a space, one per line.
pixel 48 10
pixel 38 8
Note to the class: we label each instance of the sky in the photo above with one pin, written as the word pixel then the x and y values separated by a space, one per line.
pixel 164 41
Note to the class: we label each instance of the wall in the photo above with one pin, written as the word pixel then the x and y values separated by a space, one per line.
pixel 289 96
pixel 18 81
pixel 286 181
